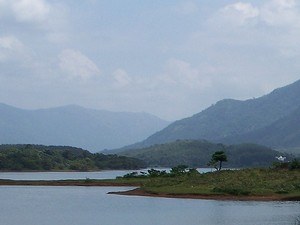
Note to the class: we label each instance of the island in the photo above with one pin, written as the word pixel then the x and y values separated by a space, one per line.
pixel 277 183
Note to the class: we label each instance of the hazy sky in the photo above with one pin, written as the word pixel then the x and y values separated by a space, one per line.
pixel 166 57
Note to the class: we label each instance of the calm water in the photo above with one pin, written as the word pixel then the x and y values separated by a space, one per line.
pixel 70 175
pixel 22 205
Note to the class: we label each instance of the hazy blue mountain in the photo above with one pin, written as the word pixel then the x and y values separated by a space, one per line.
pixel 229 118
pixel 283 133
pixel 73 125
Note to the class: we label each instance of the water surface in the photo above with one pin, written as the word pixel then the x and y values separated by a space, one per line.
pixel 92 206
pixel 109 174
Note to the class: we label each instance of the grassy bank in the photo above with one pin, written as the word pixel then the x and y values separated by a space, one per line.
pixel 246 183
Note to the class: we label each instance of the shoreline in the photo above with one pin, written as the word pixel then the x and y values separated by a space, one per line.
pixel 139 192
pixel 84 183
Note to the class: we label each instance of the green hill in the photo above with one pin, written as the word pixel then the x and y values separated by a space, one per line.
pixel 198 153
pixel 49 158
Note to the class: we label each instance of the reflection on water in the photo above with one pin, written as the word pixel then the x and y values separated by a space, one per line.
pixel 92 206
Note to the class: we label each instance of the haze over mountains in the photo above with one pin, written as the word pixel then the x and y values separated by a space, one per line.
pixel 73 125
pixel 272 120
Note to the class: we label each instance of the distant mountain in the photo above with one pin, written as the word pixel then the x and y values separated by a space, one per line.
pixel 198 153
pixel 73 125
pixel 273 115
pixel 283 133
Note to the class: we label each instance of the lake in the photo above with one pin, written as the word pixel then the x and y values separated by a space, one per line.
pixel 110 174
pixel 33 205
pixel 30 205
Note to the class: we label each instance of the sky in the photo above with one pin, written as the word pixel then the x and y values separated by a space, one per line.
pixel 170 58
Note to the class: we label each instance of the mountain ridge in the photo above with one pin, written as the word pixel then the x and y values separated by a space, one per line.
pixel 230 118
pixel 74 125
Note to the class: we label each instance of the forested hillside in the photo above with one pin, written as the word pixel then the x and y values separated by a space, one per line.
pixel 59 158
pixel 198 153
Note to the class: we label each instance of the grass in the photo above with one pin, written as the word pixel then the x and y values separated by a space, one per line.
pixel 246 182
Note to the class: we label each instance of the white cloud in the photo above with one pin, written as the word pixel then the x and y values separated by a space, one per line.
pixel 41 15
pixel 31 10
pixel 121 78
pixel 280 13
pixel 272 13
pixel 11 48
pixel 238 13
pixel 10 42
pixel 76 64
pixel 180 73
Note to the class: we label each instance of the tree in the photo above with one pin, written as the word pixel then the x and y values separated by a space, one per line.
pixel 179 170
pixel 218 158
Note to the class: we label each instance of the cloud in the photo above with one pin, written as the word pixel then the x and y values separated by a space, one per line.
pixel 75 64
pixel 241 12
pixel 11 48
pixel 270 13
pixel 180 73
pixel 31 10
pixel 280 13
pixel 121 78
pixel 38 15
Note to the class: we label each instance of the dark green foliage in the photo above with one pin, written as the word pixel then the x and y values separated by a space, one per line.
pixel 293 165
pixel 197 153
pixel 179 170
pixel 156 173
pixel 218 157
pixel 47 158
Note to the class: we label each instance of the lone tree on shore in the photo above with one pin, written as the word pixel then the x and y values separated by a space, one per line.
pixel 218 158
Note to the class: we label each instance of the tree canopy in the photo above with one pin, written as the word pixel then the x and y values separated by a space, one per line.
pixel 218 158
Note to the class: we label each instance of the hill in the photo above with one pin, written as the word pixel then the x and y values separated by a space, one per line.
pixel 230 119
pixel 73 125
pixel 283 133
pixel 59 158
pixel 198 153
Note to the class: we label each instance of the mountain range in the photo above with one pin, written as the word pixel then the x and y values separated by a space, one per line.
pixel 73 125
pixel 272 120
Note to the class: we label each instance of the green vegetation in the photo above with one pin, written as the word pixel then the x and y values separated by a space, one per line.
pixel 47 158
pixel 218 157
pixel 245 182
pixel 198 154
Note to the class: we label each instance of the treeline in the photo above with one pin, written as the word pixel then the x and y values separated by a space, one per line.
pixel 194 153
pixel 60 158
